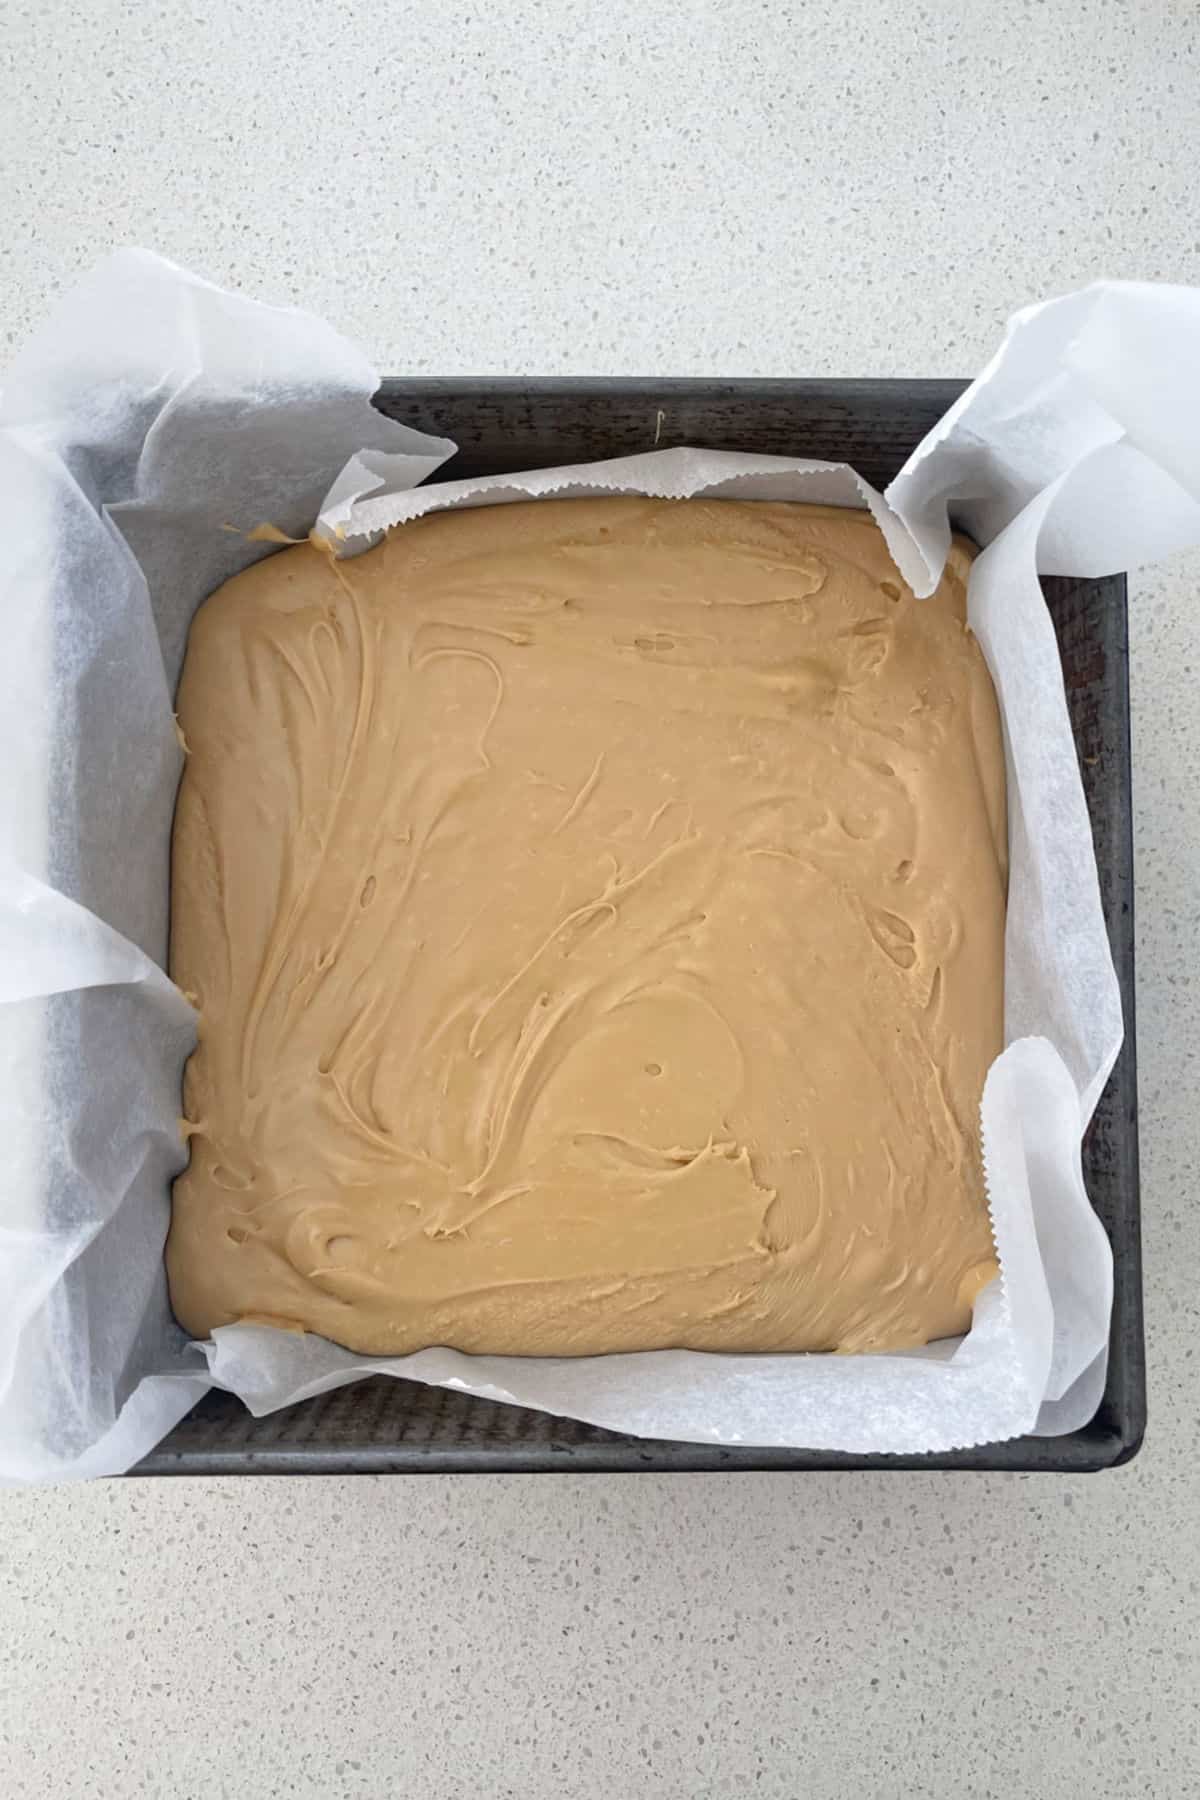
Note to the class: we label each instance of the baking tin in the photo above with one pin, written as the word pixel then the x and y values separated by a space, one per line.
pixel 389 1426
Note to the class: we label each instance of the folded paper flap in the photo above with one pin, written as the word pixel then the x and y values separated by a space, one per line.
pixel 1059 977
pixel 49 944
pixel 713 1399
pixel 149 416
pixel 1117 364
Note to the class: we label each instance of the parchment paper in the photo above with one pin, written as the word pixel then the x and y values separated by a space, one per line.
pixel 153 413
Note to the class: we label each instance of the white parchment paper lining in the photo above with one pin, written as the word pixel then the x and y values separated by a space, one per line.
pixel 154 421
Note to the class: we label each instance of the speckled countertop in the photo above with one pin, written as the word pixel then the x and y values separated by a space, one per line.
pixel 725 186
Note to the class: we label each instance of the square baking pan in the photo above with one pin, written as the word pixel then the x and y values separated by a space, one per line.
pixel 391 1426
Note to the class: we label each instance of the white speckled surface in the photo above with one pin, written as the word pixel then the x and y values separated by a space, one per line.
pixel 735 188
